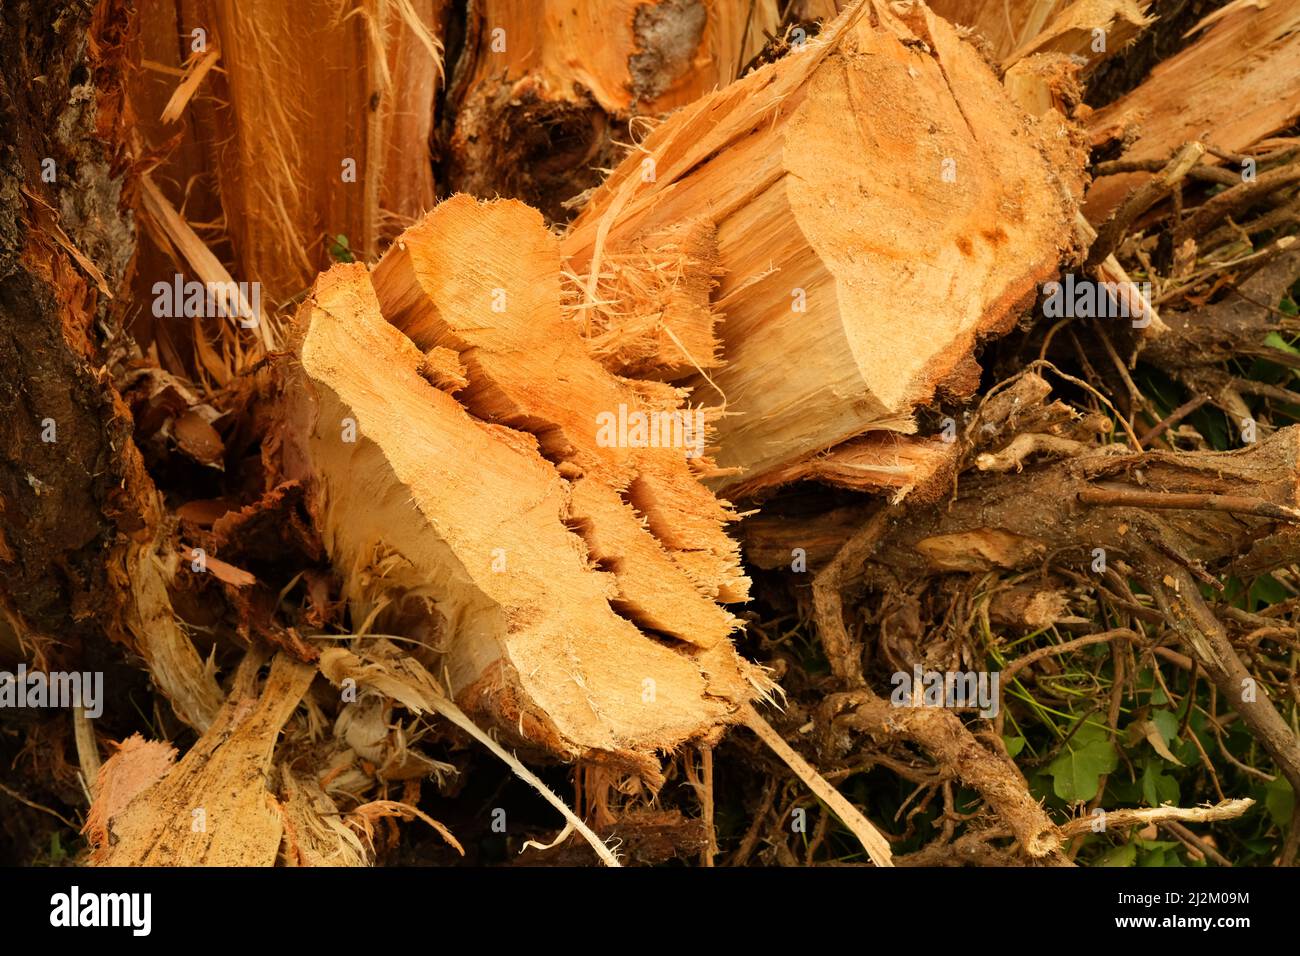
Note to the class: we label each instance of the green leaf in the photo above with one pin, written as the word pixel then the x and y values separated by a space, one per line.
pixel 1167 721
pixel 340 250
pixel 1014 745
pixel 1164 723
pixel 1078 767
pixel 1156 844
pixel 1279 799
pixel 1275 341
pixel 1266 590
pixel 1124 855
pixel 1147 682
pixel 1157 786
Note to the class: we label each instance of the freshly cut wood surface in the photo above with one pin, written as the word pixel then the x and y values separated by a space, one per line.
pixel 903 242
pixel 434 515
pixel 1232 87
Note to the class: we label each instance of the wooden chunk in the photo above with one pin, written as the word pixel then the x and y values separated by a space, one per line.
pixel 906 467
pixel 1015 29
pixel 136 766
pixel 862 259
pixel 466 521
pixel 1045 83
pixel 775 541
pixel 1088 29
pixel 655 591
pixel 1028 607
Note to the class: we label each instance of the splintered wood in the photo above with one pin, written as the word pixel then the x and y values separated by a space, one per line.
pixel 653 316
pixel 1014 29
pixel 570 575
pixel 754 245
pixel 213 807
pixel 1089 29
pixel 484 280
pixel 274 128
pixel 861 258
pixel 499 427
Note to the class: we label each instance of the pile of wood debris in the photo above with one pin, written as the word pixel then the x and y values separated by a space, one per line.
pixel 405 399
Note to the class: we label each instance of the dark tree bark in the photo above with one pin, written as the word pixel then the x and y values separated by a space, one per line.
pixel 69 475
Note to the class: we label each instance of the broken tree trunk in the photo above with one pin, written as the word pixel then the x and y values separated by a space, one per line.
pixel 497 430
pixel 861 261
pixel 302 155
pixel 567 587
